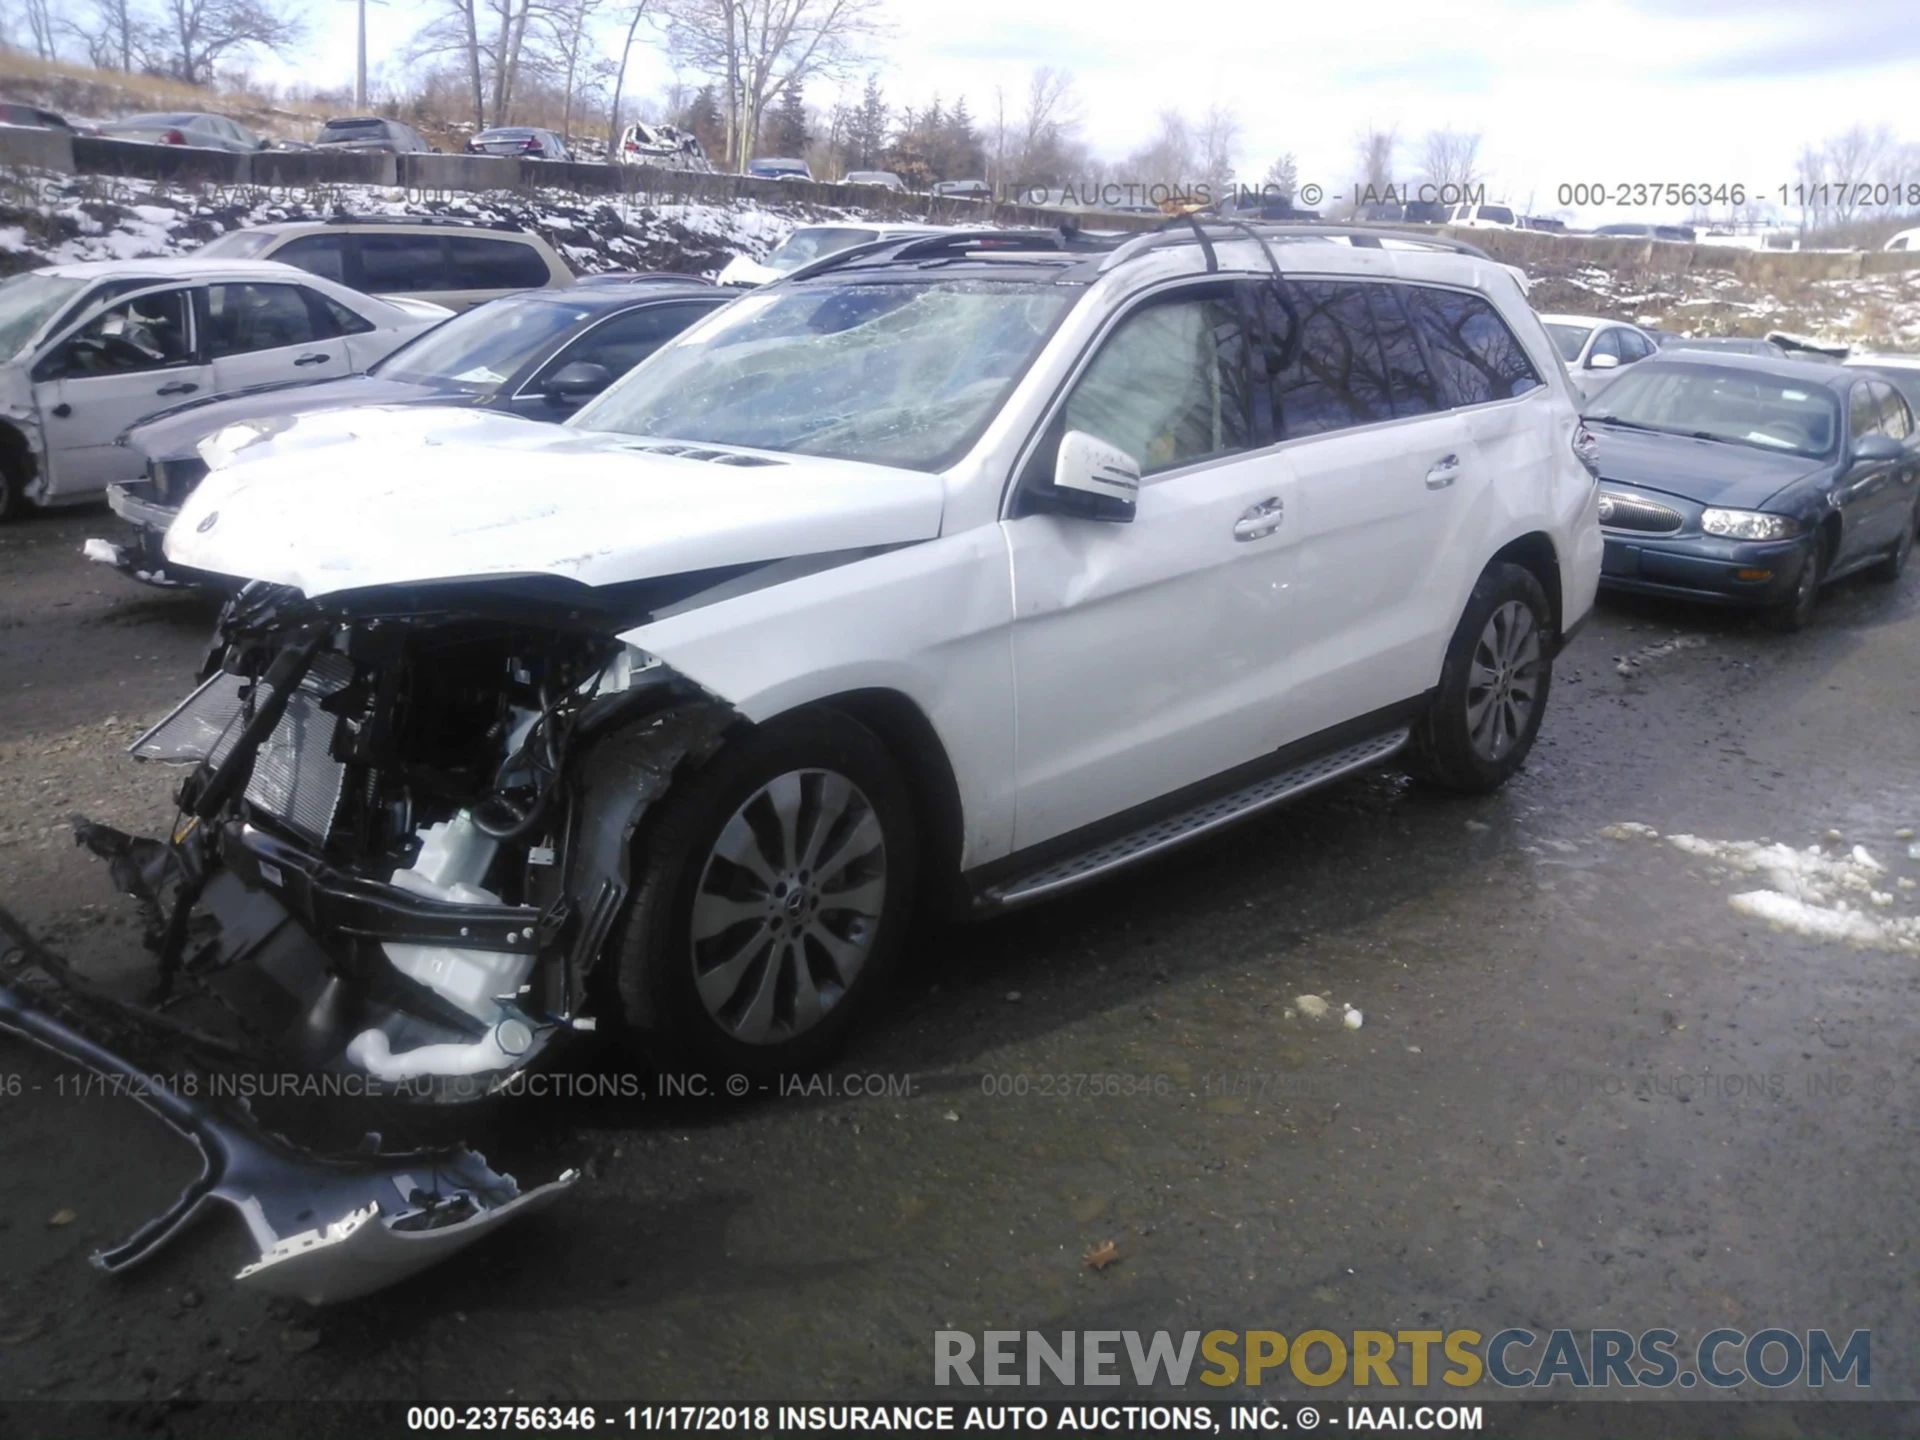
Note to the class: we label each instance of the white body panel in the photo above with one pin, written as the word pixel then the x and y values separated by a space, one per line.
pixel 457 493
pixel 1068 668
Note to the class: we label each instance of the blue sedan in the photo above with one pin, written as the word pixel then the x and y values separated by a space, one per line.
pixel 1752 481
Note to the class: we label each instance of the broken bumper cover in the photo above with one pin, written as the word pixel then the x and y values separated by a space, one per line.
pixel 380 1217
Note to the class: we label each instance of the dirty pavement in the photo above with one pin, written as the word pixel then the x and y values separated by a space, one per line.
pixel 1383 1060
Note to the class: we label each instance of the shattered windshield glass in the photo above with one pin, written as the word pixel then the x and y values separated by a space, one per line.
pixel 26 303
pixel 479 351
pixel 904 374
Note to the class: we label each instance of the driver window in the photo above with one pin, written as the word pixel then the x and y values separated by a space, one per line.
pixel 1169 386
pixel 1866 411
pixel 1606 343
pixel 1894 417
pixel 144 334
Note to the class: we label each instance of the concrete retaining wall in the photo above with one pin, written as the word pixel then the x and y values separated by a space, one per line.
pixel 643 184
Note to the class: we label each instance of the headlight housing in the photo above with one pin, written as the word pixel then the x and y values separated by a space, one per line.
pixel 1749 525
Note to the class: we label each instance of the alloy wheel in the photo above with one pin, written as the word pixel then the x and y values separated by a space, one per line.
pixel 1503 685
pixel 788 905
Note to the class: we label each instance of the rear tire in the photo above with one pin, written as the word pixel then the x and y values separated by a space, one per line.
pixel 1493 685
pixel 1890 569
pixel 772 893
pixel 1795 612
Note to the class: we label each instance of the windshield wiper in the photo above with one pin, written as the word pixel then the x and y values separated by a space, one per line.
pixel 1626 424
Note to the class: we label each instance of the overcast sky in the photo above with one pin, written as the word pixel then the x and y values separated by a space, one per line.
pixel 1561 90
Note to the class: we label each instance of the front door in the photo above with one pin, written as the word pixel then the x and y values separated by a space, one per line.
pixel 1152 654
pixel 135 357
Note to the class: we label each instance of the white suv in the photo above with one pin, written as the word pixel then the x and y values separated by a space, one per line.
pixel 958 569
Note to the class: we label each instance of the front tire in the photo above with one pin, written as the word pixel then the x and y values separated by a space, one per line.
pixel 1493 685
pixel 1796 611
pixel 772 893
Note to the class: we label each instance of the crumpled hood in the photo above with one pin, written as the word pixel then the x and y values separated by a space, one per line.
pixel 346 499
pixel 173 434
pixel 1710 472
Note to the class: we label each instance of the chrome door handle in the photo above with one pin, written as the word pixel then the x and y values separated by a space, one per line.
pixel 1445 471
pixel 1260 520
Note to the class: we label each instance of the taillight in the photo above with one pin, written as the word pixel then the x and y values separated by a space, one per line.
pixel 1586 449
pixel 630 145
pixel 172 137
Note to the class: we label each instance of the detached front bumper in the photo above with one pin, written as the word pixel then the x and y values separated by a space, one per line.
pixel 1705 568
pixel 138 551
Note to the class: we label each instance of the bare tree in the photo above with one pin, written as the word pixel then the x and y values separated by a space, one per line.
pixel 43 28
pixel 1217 140
pixel 193 35
pixel 1164 161
pixel 566 42
pixel 1050 122
pixel 635 14
pixel 455 31
pixel 1374 154
pixel 758 49
pixel 1847 163
pixel 1450 159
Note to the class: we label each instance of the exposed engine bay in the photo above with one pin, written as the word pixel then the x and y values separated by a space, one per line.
pixel 391 858
pixel 399 854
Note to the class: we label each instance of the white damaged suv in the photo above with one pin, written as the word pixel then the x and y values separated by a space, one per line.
pixel 955 569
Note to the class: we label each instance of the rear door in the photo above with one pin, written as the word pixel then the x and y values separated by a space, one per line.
pixel 1153 654
pixel 484 267
pixel 260 333
pixel 1389 483
pixel 110 369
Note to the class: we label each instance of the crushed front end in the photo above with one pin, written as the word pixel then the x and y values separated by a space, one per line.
pixel 397 857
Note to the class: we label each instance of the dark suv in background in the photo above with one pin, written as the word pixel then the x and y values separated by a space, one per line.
pixel 370 134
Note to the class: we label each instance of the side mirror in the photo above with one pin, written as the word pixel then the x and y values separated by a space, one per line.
pixel 1603 362
pixel 576 381
pixel 1095 480
pixel 1876 450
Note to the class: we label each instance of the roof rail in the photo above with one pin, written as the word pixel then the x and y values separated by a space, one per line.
pixel 1188 230
pixel 1117 250
pixel 642 277
pixel 462 222
pixel 947 244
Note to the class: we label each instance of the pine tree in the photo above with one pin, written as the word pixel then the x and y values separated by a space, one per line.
pixel 786 129
pixel 868 134
pixel 702 117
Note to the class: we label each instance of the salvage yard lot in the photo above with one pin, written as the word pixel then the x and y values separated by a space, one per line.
pixel 1532 1125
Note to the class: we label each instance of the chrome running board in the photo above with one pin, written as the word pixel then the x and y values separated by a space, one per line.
pixel 1194 822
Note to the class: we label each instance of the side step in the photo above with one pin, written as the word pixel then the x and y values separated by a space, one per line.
pixel 1192 823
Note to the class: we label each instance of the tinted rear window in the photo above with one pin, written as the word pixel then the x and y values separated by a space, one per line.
pixel 484 264
pixel 337 126
pixel 1477 357
pixel 1335 378
pixel 323 255
pixel 403 262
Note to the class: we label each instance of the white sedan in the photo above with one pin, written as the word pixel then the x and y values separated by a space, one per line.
pixel 807 244
pixel 87 350
pixel 1594 349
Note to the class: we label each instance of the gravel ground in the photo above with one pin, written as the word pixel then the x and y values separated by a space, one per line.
pixel 1533 1126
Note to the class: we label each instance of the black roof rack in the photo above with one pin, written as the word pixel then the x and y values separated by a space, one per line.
pixel 952 245
pixel 1112 250
pixel 462 222
pixel 643 277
